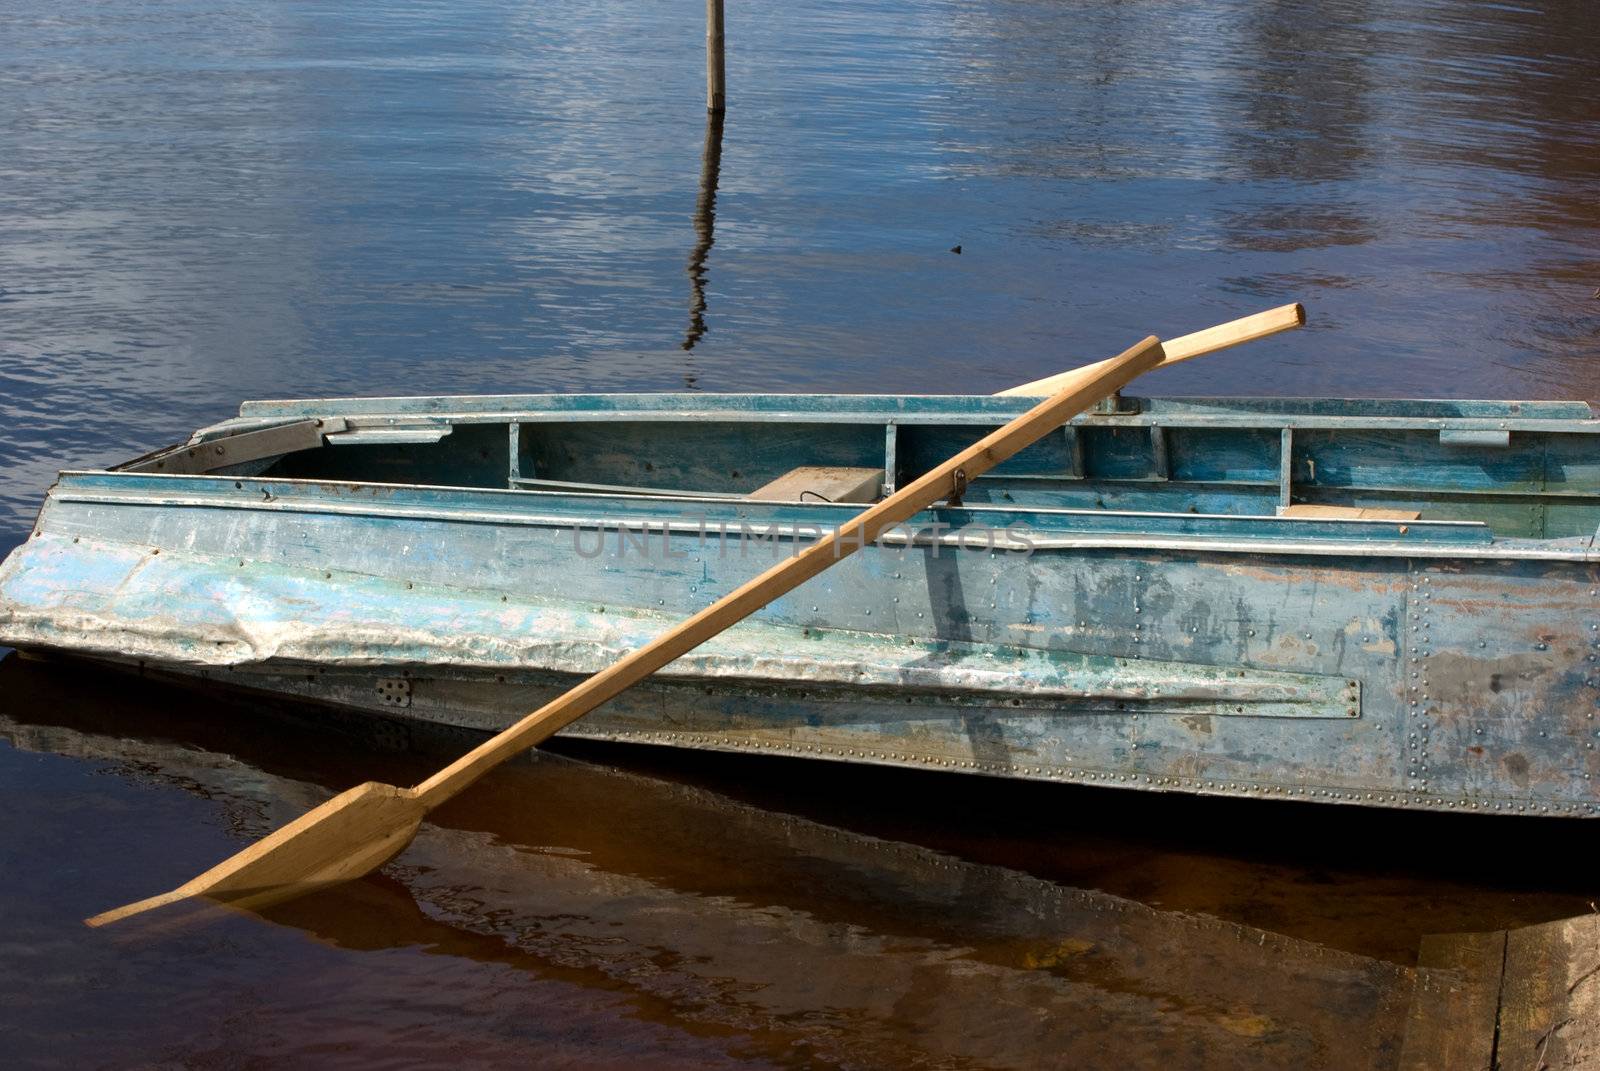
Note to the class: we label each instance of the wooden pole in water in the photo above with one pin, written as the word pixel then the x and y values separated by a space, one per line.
pixel 716 71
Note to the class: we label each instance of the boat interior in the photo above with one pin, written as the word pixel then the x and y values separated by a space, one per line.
pixel 1526 470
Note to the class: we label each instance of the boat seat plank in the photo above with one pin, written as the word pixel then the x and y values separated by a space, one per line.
pixel 1354 513
pixel 831 483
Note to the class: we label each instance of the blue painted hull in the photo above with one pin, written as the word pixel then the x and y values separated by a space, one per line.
pixel 1440 662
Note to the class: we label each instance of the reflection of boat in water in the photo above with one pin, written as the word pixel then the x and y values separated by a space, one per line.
pixel 865 951
pixel 1377 603
pixel 715 916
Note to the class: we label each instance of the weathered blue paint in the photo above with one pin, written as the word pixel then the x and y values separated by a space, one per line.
pixel 1108 634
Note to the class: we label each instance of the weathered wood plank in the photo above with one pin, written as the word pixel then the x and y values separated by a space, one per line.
pixel 1354 513
pixel 1451 1025
pixel 1550 1000
pixel 830 483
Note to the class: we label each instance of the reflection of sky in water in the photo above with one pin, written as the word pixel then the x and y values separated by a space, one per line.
pixel 210 202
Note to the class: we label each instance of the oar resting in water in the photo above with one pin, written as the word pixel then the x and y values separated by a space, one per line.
pixel 359 830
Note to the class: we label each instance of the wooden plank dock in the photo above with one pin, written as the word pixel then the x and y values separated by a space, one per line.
pixel 1526 998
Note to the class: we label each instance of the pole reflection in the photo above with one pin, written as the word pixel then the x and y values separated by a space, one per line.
pixel 705 215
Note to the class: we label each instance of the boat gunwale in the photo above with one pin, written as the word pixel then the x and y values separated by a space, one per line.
pixel 600 401
pixel 1220 421
pixel 1262 415
pixel 1572 549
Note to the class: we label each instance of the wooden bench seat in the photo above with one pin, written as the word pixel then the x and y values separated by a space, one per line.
pixel 829 483
pixel 1309 511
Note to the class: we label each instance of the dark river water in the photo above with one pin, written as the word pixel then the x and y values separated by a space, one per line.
pixel 202 202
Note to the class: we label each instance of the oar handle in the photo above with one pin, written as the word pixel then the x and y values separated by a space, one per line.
pixel 1212 339
pixel 934 486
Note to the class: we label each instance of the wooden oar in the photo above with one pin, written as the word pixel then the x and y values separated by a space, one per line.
pixel 359 830
pixel 1212 339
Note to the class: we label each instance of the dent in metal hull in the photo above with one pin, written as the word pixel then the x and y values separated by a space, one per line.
pixel 1429 664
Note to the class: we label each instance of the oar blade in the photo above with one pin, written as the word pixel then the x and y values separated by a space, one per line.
pixel 351 834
